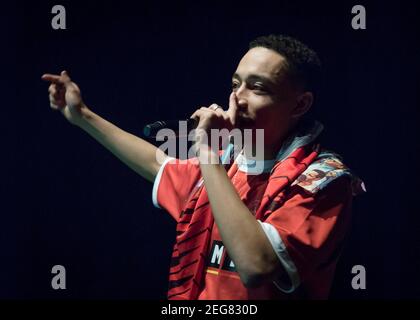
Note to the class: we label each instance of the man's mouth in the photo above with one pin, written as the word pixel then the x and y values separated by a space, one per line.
pixel 243 122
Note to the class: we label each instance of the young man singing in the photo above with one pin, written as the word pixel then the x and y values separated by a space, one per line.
pixel 241 234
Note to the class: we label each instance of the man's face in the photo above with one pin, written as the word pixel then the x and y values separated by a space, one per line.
pixel 334 163
pixel 313 175
pixel 265 96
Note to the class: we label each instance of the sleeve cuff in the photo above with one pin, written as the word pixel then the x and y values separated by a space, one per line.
pixel 157 181
pixel 281 252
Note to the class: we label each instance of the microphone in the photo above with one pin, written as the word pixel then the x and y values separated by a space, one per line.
pixel 150 130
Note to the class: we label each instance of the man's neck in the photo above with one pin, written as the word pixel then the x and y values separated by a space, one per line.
pixel 270 152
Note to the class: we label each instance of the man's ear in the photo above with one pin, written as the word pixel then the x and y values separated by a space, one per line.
pixel 303 104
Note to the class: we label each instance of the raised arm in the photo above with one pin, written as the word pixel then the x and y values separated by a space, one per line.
pixel 138 154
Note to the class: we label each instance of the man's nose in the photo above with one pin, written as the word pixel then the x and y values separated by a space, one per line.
pixel 242 103
pixel 241 97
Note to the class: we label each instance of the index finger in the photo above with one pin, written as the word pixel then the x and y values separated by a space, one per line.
pixel 233 107
pixel 51 78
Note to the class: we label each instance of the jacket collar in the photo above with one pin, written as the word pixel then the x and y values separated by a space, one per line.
pixel 305 133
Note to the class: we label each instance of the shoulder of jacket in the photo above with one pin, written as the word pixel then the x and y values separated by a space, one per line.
pixel 327 167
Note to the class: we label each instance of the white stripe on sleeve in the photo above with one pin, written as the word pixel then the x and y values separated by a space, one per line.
pixel 157 181
pixel 287 263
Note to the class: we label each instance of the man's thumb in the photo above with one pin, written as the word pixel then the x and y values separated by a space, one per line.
pixel 65 77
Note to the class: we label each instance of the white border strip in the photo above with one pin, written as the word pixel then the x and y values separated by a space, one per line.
pixel 157 181
pixel 280 249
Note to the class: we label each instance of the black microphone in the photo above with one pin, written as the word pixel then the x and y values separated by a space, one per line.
pixel 150 130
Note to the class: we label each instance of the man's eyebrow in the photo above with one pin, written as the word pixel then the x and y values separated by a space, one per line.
pixel 255 77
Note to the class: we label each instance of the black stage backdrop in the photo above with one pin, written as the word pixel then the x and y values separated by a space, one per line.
pixel 67 201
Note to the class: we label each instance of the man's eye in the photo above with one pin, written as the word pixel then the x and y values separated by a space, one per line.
pixel 259 88
pixel 235 85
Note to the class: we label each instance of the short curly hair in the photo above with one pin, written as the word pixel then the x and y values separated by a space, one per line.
pixel 302 63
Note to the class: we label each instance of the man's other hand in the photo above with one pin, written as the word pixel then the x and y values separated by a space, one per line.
pixel 65 96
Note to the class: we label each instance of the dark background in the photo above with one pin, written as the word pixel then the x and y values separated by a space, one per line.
pixel 67 201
